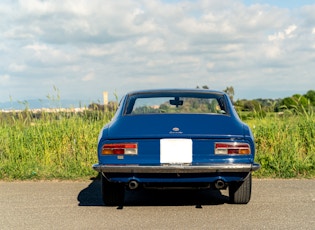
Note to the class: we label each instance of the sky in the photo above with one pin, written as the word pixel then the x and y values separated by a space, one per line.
pixel 78 49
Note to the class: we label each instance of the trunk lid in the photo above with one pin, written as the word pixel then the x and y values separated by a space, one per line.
pixel 176 126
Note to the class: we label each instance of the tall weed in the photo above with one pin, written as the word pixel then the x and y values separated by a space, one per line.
pixel 56 145
pixel 285 145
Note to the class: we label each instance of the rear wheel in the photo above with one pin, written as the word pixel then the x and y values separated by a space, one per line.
pixel 113 194
pixel 240 192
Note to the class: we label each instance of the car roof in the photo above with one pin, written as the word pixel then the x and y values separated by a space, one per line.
pixel 175 90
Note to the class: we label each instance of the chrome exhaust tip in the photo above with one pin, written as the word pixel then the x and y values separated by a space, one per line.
pixel 133 184
pixel 219 184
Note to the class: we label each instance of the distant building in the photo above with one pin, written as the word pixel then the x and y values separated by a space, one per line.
pixel 105 97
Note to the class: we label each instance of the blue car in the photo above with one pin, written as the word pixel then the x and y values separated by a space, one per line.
pixel 176 138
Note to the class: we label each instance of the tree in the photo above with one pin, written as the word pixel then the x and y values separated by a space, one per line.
pixel 203 87
pixel 287 103
pixel 310 95
pixel 296 103
pixel 230 92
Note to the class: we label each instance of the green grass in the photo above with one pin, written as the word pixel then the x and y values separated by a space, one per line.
pixel 63 145
pixel 285 146
pixel 57 145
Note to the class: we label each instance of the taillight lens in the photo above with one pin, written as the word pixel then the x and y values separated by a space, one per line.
pixel 120 149
pixel 232 148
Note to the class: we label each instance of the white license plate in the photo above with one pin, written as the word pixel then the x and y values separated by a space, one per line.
pixel 175 151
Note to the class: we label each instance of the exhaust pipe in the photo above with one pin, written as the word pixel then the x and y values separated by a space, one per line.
pixel 219 184
pixel 133 184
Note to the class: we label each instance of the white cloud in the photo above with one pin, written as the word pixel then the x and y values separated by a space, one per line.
pixel 289 31
pixel 14 67
pixel 47 55
pixel 4 80
pixel 273 51
pixel 98 51
pixel 210 65
pixel 125 45
pixel 286 33
pixel 88 77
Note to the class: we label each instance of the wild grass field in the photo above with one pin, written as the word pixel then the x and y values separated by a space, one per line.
pixel 62 145
pixel 285 146
pixel 55 145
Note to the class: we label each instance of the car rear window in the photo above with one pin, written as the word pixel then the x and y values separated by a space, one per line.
pixel 176 104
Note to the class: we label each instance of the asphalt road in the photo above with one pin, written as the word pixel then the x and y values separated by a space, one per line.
pixel 275 204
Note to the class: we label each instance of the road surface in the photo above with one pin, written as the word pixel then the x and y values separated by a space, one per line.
pixel 275 204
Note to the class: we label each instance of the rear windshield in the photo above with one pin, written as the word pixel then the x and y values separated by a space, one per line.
pixel 176 104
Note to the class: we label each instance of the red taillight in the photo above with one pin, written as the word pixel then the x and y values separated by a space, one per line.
pixel 231 148
pixel 120 148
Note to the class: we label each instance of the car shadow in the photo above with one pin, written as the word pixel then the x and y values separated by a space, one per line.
pixel 91 196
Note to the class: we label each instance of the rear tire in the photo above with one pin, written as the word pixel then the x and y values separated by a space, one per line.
pixel 240 192
pixel 113 194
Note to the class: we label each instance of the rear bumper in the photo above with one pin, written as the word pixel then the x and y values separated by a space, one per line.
pixel 213 168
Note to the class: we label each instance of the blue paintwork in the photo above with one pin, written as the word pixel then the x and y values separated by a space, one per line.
pixel 203 129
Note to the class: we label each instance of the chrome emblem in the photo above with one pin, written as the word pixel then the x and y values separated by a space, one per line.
pixel 175 129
